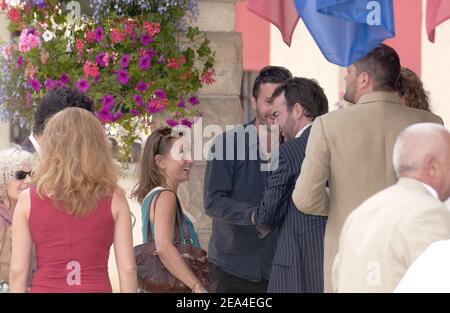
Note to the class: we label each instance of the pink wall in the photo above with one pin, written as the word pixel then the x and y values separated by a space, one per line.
pixel 255 38
pixel 408 28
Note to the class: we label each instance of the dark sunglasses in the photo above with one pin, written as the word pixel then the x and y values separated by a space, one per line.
pixel 21 175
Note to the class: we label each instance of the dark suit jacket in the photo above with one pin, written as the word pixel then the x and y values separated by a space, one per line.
pixel 298 261
pixel 27 145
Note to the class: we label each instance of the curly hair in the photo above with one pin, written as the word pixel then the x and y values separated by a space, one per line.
pixel 57 100
pixel 13 159
pixel 77 168
pixel 410 88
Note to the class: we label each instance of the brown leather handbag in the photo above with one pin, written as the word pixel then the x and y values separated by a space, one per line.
pixel 153 276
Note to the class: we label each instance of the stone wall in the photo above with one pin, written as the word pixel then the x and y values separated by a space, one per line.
pixel 220 103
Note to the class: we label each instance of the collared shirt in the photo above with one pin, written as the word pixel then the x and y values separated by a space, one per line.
pixel 301 131
pixel 36 145
pixel 234 186
pixel 431 190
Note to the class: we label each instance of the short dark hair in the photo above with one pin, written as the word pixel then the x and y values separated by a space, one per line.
pixel 306 92
pixel 270 74
pixel 57 100
pixel 383 65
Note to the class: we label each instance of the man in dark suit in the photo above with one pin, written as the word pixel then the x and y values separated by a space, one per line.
pixel 298 260
pixel 54 101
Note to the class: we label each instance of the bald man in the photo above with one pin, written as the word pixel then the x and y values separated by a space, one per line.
pixel 386 233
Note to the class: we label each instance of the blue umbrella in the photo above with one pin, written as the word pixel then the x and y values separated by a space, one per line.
pixel 347 30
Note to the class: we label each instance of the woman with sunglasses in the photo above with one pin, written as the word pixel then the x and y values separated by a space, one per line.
pixel 15 170
pixel 73 212
pixel 165 163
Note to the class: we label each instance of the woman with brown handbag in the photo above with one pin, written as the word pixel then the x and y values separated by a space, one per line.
pixel 165 163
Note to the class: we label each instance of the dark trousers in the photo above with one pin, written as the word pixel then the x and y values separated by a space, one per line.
pixel 223 282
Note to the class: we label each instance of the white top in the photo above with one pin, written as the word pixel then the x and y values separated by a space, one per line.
pixel 430 272
pixel 36 145
pixel 431 190
pixel 301 131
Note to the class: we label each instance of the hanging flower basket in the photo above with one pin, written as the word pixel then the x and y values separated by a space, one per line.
pixel 134 58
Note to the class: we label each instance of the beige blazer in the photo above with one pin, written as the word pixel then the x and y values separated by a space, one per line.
pixel 383 237
pixel 352 150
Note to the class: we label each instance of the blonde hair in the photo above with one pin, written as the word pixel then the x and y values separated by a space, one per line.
pixel 77 168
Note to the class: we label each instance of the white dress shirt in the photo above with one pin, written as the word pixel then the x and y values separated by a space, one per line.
pixel 301 131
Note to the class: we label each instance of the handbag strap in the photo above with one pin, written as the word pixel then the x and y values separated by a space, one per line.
pixel 178 216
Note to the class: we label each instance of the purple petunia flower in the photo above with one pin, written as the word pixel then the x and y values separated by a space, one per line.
pixel 39 3
pixel 19 62
pixel 134 112
pixel 123 77
pixel 144 62
pixel 146 40
pixel 107 101
pixel 138 100
pixel 153 107
pixel 83 85
pixel 96 79
pixel 100 59
pixel 116 116
pixel 99 32
pixel 124 61
pixel 105 115
pixel 186 122
pixel 193 100
pixel 172 123
pixel 35 84
pixel 181 104
pixel 159 93
pixel 49 83
pixel 151 53
pixel 65 79
pixel 141 86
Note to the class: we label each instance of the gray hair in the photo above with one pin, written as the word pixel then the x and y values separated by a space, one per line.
pixel 416 142
pixel 13 159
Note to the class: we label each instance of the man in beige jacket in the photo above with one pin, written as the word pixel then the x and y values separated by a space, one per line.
pixel 351 149
pixel 384 235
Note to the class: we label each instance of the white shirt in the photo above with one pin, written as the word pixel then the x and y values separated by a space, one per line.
pixel 36 145
pixel 301 131
pixel 431 190
pixel 430 272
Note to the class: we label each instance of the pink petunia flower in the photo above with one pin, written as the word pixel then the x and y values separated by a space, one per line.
pixel 124 61
pixel 28 40
pixel 123 77
pixel 99 33
pixel 82 85
pixel 142 86
pixel 35 84
pixel 172 123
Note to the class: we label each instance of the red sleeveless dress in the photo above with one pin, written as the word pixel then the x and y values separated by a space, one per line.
pixel 71 252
